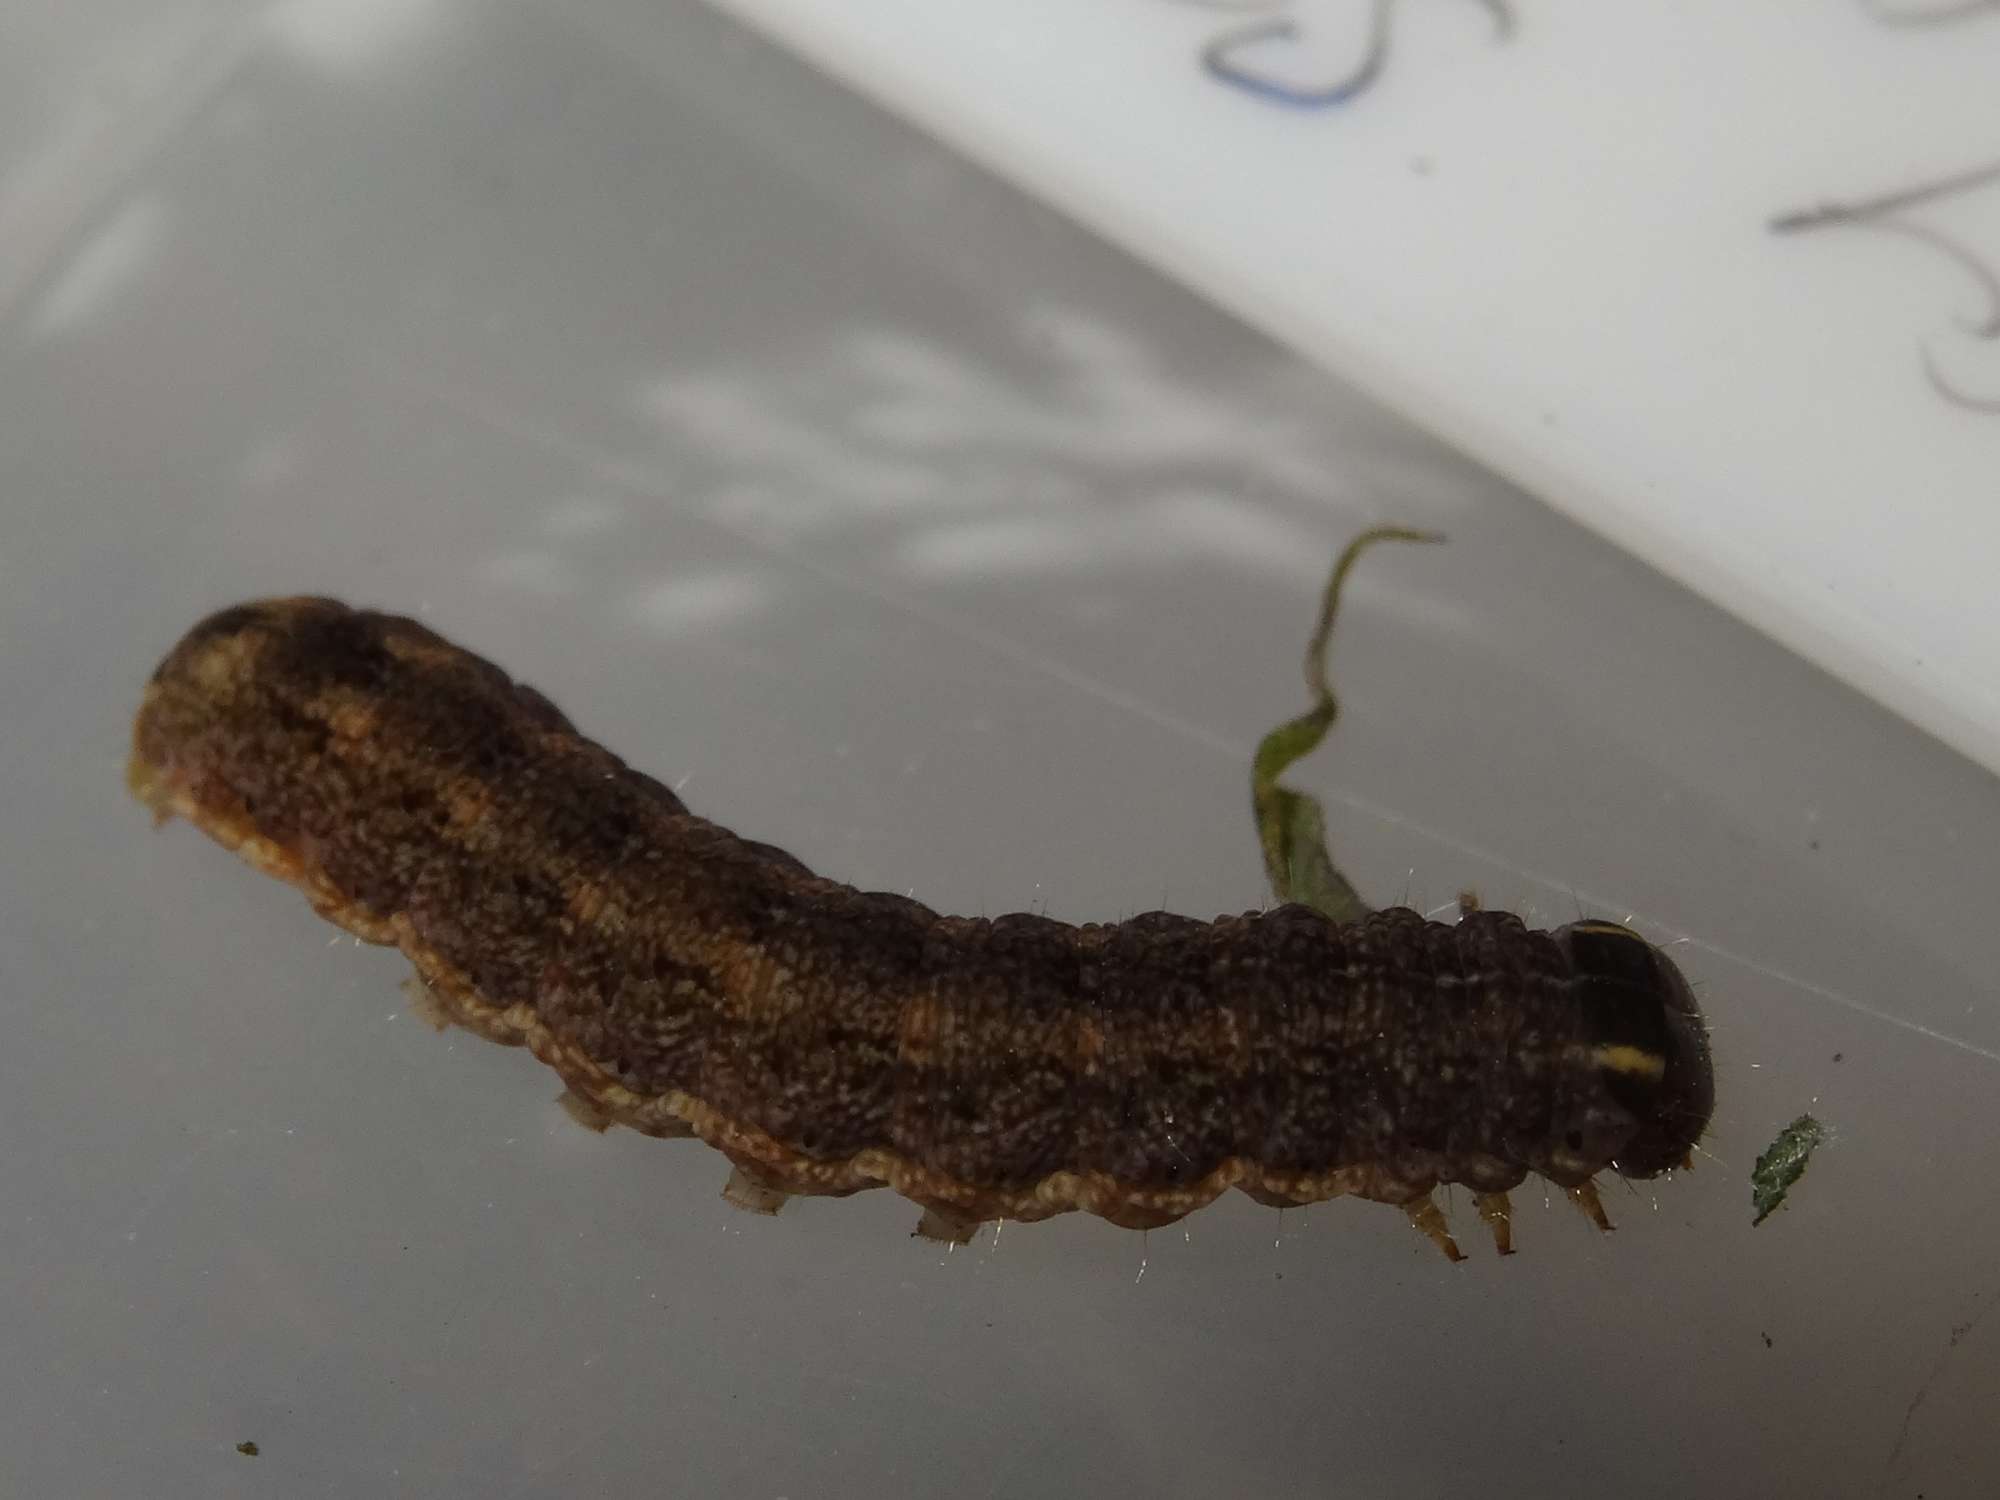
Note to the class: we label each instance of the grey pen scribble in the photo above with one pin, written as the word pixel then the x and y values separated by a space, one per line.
pixel 1886 212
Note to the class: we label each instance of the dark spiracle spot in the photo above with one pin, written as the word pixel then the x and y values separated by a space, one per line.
pixel 1574 1140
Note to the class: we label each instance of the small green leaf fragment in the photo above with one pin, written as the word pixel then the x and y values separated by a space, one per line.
pixel 1291 826
pixel 1782 1164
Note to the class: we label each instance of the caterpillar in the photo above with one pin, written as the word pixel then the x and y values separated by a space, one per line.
pixel 687 982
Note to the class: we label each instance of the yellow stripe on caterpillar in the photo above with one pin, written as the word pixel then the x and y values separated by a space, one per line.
pixel 1624 1058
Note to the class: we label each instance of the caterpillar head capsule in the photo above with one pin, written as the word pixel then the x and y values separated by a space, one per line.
pixel 1643 1036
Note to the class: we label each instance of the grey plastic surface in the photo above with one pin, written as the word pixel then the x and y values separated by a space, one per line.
pixel 929 539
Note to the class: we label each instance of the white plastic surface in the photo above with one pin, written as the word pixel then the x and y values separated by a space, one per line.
pixel 1552 248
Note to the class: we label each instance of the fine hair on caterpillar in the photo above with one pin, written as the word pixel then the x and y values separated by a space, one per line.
pixel 685 981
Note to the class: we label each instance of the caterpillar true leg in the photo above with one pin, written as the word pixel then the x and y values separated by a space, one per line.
pixel 1498 1215
pixel 1427 1216
pixel 1584 1196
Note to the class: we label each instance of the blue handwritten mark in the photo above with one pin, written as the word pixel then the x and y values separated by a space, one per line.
pixel 1221 59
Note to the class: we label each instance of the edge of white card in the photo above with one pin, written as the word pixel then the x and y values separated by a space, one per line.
pixel 1555 255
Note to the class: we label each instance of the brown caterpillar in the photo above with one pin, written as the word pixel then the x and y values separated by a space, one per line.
pixel 685 981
